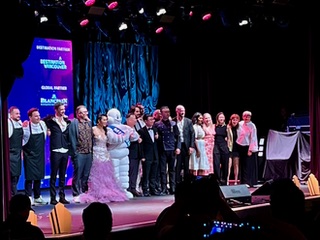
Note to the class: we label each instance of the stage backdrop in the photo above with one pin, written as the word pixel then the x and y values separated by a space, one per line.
pixel 48 78
pixel 111 75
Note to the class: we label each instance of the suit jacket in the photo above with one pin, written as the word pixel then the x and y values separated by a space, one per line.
pixel 169 135
pixel 73 136
pixel 188 132
pixel 149 148
pixel 58 139
pixel 135 150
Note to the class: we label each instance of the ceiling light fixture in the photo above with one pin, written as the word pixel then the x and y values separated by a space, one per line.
pixel 89 3
pixel 123 26
pixel 112 5
pixel 206 16
pixel 43 19
pixel 161 11
pixel 159 30
pixel 84 22
pixel 141 10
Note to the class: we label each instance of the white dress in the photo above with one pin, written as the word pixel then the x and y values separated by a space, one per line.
pixel 199 163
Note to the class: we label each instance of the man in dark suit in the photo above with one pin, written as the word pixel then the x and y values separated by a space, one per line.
pixel 187 138
pixel 81 143
pixel 150 156
pixel 58 126
pixel 134 157
pixel 168 147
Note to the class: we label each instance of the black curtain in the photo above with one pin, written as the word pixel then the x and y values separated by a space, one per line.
pixel 314 91
pixel 259 70
pixel 116 75
pixel 17 39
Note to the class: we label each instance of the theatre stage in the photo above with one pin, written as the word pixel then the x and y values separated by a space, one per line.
pixel 138 215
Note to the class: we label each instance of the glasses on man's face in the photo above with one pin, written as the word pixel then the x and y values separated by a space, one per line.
pixel 83 112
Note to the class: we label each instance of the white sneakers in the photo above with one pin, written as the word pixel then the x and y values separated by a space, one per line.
pixel 76 199
pixel 40 201
pixel 31 200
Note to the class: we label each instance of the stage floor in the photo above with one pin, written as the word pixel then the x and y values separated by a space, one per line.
pixel 139 212
pixel 134 213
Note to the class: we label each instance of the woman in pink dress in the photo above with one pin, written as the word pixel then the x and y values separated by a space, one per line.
pixel 209 130
pixel 103 185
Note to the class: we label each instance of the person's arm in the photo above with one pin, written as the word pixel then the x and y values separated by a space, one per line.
pixel 176 133
pixel 192 137
pixel 26 133
pixel 10 128
pixel 229 138
pixel 253 146
pixel 45 128
pixel 195 141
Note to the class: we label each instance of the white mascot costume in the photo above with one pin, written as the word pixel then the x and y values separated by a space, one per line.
pixel 119 152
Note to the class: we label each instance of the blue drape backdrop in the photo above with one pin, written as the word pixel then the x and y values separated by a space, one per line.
pixel 116 75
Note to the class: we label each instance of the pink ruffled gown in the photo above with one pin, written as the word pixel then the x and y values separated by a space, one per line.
pixel 103 185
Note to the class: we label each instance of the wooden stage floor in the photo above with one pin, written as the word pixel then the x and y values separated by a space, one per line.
pixel 142 212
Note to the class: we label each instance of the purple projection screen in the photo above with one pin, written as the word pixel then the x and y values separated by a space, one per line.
pixel 48 78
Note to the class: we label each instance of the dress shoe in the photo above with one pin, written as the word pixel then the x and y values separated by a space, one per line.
pixel 156 193
pixel 64 201
pixel 165 192
pixel 146 194
pixel 172 191
pixel 136 193
pixel 53 202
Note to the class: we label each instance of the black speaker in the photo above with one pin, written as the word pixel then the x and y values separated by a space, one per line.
pixel 236 193
pixel 264 190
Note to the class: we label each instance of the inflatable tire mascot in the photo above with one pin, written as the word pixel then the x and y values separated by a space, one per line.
pixel 119 152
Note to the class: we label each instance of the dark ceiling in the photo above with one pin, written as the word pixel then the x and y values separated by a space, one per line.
pixel 64 17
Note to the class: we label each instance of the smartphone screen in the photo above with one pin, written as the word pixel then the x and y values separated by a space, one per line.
pixel 215 227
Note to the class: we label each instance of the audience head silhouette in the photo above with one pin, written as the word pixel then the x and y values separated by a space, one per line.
pixel 287 201
pixel 198 200
pixel 97 220
pixel 20 206
pixel 15 225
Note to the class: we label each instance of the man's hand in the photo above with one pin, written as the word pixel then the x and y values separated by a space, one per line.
pixel 177 151
pixel 25 123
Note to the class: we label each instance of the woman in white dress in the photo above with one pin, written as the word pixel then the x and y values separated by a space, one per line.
pixel 198 162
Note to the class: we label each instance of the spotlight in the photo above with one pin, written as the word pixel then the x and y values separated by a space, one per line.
pixel 206 17
pixel 84 22
pixel 161 11
pixel 43 19
pixel 89 3
pixel 112 5
pixel 141 10
pixel 245 21
pixel 159 30
pixel 123 26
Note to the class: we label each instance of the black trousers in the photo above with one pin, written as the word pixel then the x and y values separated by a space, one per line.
pixel 36 188
pixel 248 166
pixel 133 173
pixel 182 163
pixel 14 183
pixel 81 163
pixel 150 170
pixel 58 163
pixel 167 158
pixel 221 162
